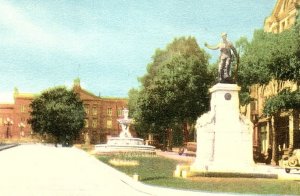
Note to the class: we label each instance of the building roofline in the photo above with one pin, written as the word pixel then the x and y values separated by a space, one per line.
pixel 25 95
pixel 89 93
pixel 7 105
pixel 108 97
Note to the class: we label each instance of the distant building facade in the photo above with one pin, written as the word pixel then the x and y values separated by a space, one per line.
pixel 283 16
pixel 100 122
pixel 14 116
pixel 287 124
pixel 101 115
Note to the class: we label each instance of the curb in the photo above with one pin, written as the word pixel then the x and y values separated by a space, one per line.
pixel 147 189
pixel 7 146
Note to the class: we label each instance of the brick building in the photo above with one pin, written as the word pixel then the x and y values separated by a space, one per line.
pixel 101 115
pixel 16 112
pixel 100 122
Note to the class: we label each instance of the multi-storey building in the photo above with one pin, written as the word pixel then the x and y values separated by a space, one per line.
pixel 100 122
pixel 287 124
pixel 101 115
pixel 14 115
pixel 283 16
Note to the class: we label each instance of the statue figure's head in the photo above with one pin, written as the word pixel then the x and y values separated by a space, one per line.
pixel 224 36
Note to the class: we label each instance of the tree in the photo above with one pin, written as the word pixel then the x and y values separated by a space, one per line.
pixel 134 111
pixel 175 88
pixel 284 100
pixel 273 57
pixel 58 112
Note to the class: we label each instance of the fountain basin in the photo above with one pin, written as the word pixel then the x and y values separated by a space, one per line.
pixel 124 145
pixel 125 141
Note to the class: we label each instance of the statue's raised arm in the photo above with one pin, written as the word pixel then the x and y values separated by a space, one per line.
pixel 212 47
pixel 226 58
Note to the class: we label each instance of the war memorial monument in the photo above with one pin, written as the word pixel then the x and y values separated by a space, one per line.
pixel 224 136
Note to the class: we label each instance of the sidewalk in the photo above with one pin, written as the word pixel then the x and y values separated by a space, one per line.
pixel 174 155
pixel 7 146
pixel 35 170
pixel 258 167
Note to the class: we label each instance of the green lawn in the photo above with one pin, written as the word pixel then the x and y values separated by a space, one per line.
pixel 159 171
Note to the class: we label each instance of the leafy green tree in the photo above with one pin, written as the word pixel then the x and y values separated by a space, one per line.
pixel 253 64
pixel 58 112
pixel 285 100
pixel 272 57
pixel 175 88
pixel 242 46
pixel 134 111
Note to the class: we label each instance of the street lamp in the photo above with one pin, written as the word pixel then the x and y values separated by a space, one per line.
pixel 21 125
pixel 8 122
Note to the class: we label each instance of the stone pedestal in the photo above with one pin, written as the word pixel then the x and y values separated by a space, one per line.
pixel 224 137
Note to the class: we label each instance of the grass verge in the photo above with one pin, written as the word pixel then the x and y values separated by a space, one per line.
pixel 156 170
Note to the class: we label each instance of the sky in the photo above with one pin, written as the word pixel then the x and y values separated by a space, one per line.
pixel 108 44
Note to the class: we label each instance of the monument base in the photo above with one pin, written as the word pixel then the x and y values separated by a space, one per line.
pixel 256 171
pixel 222 174
pixel 223 167
pixel 224 136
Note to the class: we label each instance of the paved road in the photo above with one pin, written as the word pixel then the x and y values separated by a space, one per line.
pixel 39 170
pixel 45 170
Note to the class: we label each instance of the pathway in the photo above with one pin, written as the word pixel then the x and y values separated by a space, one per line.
pixel 41 170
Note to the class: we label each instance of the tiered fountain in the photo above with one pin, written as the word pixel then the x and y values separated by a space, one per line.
pixel 125 142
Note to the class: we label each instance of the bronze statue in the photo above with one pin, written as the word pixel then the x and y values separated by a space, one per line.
pixel 226 58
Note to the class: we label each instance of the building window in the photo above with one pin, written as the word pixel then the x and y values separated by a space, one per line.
pixel 86 123
pixel 86 109
pixel 120 112
pixel 253 106
pixel 94 123
pixel 23 108
pixel 109 111
pixel 109 124
pixel 263 138
pixel 94 110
